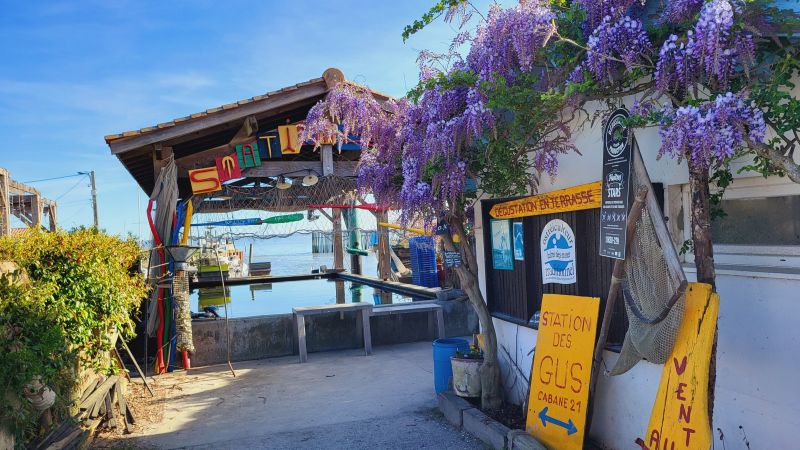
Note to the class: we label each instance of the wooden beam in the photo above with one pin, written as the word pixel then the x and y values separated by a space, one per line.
pixel 206 158
pixel 270 168
pixel 36 211
pixel 271 102
pixel 384 256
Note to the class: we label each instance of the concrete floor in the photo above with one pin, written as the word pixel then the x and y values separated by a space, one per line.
pixel 336 400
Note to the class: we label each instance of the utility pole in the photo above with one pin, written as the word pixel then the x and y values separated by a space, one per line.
pixel 94 196
pixel 94 199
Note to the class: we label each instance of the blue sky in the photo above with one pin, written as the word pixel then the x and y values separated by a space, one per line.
pixel 72 72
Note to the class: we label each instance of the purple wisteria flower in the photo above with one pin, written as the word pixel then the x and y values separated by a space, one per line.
pixel 712 50
pixel 712 132
pixel 614 40
pixel 678 11
pixel 598 10
pixel 510 39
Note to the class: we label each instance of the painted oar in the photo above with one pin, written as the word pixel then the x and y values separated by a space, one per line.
pixel 252 221
pixel 368 207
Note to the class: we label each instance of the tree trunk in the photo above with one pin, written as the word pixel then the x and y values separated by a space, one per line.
pixel 491 389
pixel 704 255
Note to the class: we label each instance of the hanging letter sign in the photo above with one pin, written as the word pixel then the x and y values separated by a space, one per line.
pixel 228 168
pixel 561 369
pixel 680 413
pixel 558 253
pixel 616 184
pixel 205 180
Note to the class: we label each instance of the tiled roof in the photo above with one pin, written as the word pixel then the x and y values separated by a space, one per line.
pixel 126 134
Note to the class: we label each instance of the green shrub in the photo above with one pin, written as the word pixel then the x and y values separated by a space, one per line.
pixel 83 286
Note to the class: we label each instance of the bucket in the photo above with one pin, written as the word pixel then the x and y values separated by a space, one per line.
pixel 466 376
pixel 443 349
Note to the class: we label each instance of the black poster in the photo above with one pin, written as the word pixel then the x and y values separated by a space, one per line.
pixel 616 185
pixel 452 259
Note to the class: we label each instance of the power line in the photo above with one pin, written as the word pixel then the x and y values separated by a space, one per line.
pixel 69 190
pixel 56 178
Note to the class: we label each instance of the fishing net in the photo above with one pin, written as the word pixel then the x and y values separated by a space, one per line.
pixel 654 284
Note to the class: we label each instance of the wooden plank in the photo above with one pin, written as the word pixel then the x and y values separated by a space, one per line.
pixel 680 410
pixel 99 392
pixel 393 286
pixel 260 279
pixel 265 105
pixel 407 308
pixel 273 168
pixel 324 309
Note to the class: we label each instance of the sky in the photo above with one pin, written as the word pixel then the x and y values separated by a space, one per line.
pixel 72 72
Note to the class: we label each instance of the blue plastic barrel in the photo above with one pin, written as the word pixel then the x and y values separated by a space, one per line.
pixel 443 349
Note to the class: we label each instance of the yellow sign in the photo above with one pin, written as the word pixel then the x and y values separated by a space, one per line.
pixel 561 370
pixel 205 180
pixel 288 138
pixel 585 196
pixel 680 413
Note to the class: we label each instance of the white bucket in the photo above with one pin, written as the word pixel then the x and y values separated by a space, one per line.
pixel 466 376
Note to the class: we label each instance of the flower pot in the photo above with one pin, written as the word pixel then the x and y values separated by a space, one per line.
pixel 466 376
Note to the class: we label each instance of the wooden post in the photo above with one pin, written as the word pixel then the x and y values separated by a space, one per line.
pixel 5 204
pixel 36 210
pixel 327 160
pixel 384 256
pixel 52 215
pixel 338 246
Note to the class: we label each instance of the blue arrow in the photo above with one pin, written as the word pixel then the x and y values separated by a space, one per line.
pixel 569 426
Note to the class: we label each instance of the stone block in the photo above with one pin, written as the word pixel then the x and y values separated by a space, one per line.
pixel 488 430
pixel 453 407
pixel 521 440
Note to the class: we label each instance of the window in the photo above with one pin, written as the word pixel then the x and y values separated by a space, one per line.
pixel 759 221
pixel 761 229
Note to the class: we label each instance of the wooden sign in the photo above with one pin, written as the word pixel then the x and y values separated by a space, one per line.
pixel 287 134
pixel 561 370
pixel 248 155
pixel 585 196
pixel 228 167
pixel 205 180
pixel 680 413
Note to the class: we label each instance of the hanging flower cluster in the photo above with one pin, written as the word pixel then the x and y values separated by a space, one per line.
pixel 678 11
pixel 348 109
pixel 598 10
pixel 712 49
pixel 613 43
pixel 711 132
pixel 509 40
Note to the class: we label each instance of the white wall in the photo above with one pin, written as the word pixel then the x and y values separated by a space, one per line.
pixel 758 369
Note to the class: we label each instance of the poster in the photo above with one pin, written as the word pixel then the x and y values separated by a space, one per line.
pixel 616 185
pixel 451 259
pixel 561 371
pixel 558 253
pixel 680 412
pixel 519 243
pixel 501 245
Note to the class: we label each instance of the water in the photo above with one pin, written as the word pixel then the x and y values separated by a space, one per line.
pixel 290 256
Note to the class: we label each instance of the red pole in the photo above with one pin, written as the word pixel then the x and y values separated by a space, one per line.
pixel 186 363
pixel 160 304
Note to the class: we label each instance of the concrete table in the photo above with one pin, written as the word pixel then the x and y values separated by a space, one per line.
pixel 434 311
pixel 362 320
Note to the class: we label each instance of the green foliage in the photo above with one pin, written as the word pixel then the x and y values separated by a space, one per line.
pixel 436 10
pixel 83 286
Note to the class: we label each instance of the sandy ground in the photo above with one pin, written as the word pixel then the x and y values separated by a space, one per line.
pixel 335 400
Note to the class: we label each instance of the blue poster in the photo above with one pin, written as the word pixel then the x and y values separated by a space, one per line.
pixel 519 244
pixel 501 245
